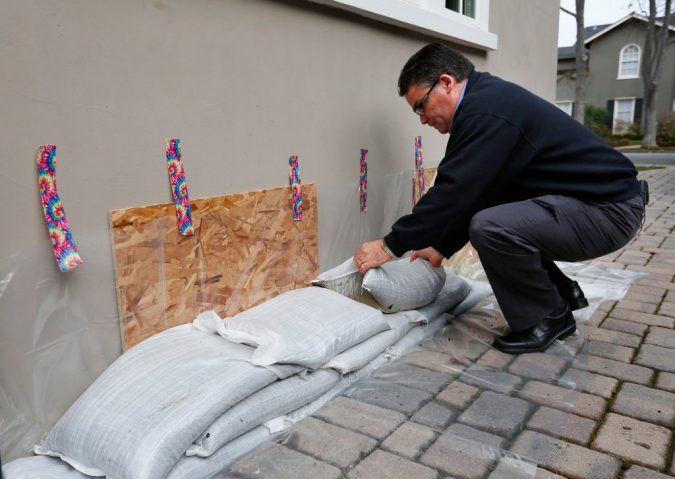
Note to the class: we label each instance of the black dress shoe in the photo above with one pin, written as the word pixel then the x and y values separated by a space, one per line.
pixel 538 337
pixel 573 295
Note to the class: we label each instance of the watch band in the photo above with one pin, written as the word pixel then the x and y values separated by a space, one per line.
pixel 386 249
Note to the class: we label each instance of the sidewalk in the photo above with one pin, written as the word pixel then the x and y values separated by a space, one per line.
pixel 602 405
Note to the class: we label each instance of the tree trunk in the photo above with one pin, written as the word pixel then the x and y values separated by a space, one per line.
pixel 656 42
pixel 580 83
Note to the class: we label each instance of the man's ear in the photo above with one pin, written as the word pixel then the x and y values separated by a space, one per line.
pixel 447 81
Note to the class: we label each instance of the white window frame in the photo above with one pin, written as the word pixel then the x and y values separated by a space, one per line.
pixel 429 17
pixel 566 105
pixel 461 7
pixel 615 111
pixel 619 76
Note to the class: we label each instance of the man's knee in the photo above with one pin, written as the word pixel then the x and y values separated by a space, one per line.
pixel 482 229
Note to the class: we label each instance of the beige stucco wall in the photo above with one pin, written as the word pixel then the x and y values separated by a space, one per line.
pixel 244 83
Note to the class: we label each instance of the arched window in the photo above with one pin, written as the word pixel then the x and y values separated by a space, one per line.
pixel 629 61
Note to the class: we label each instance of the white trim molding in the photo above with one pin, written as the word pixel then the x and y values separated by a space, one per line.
pixel 621 21
pixel 427 16
pixel 622 61
pixel 620 126
pixel 566 106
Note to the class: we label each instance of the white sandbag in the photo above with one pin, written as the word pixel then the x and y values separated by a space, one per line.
pixel 346 280
pixel 358 356
pixel 307 327
pixel 479 290
pixel 401 284
pixel 196 467
pixel 416 335
pixel 140 416
pixel 455 290
pixel 280 397
pixel 40 467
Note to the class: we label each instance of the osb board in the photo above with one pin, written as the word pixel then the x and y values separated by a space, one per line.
pixel 246 249
pixel 429 178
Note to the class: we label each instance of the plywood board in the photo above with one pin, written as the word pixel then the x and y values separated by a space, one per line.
pixel 429 178
pixel 246 249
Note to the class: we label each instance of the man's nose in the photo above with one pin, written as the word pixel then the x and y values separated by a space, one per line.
pixel 423 119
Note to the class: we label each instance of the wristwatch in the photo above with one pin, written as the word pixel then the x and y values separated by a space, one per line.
pixel 386 249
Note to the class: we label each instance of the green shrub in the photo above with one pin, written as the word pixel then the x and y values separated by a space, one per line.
pixel 596 119
pixel 665 132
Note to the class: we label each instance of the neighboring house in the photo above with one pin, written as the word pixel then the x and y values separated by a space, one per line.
pixel 615 52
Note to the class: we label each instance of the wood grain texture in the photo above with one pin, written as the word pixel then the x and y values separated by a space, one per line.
pixel 246 249
pixel 429 178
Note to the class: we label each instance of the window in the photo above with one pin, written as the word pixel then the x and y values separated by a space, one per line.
pixel 624 113
pixel 565 106
pixel 461 21
pixel 465 7
pixel 629 62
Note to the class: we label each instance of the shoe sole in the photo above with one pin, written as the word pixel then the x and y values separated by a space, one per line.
pixel 565 333
pixel 579 303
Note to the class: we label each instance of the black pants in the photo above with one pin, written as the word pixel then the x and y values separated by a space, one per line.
pixel 518 242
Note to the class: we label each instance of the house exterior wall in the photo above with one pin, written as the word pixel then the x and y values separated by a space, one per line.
pixel 603 68
pixel 244 84
pixel 565 80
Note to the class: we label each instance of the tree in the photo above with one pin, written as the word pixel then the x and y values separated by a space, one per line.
pixel 581 60
pixel 656 42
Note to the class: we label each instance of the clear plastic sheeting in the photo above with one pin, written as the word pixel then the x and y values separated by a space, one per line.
pixel 430 389
pixel 453 402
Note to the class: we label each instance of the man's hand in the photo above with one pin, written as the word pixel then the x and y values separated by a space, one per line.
pixel 370 255
pixel 430 254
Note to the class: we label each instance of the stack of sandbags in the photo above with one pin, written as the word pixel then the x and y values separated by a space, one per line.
pixel 185 403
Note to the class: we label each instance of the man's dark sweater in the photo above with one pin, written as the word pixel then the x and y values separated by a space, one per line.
pixel 508 145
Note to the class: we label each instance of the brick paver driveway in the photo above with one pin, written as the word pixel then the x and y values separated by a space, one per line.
pixel 601 405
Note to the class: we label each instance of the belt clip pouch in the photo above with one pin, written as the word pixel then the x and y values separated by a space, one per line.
pixel 644 191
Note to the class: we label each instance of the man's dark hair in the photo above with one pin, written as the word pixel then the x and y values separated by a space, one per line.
pixel 425 66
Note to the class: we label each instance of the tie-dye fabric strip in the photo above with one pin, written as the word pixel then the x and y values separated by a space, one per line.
pixel 174 162
pixel 296 187
pixel 65 249
pixel 419 166
pixel 363 182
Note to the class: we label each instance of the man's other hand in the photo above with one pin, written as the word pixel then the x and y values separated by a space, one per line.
pixel 370 255
pixel 430 254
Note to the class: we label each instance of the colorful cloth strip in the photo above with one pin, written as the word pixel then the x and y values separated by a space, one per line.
pixel 419 166
pixel 65 249
pixel 363 182
pixel 296 187
pixel 174 162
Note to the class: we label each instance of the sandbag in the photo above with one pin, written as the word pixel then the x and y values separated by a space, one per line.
pixel 346 280
pixel 455 289
pixel 401 284
pixel 40 467
pixel 140 416
pixel 307 327
pixel 280 397
pixel 358 356
pixel 196 467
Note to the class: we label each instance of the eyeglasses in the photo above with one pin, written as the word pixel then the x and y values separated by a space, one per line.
pixel 422 104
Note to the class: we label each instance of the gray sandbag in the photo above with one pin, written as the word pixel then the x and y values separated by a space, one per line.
pixel 346 280
pixel 196 467
pixel 276 399
pixel 40 467
pixel 358 356
pixel 401 284
pixel 455 289
pixel 306 327
pixel 140 416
